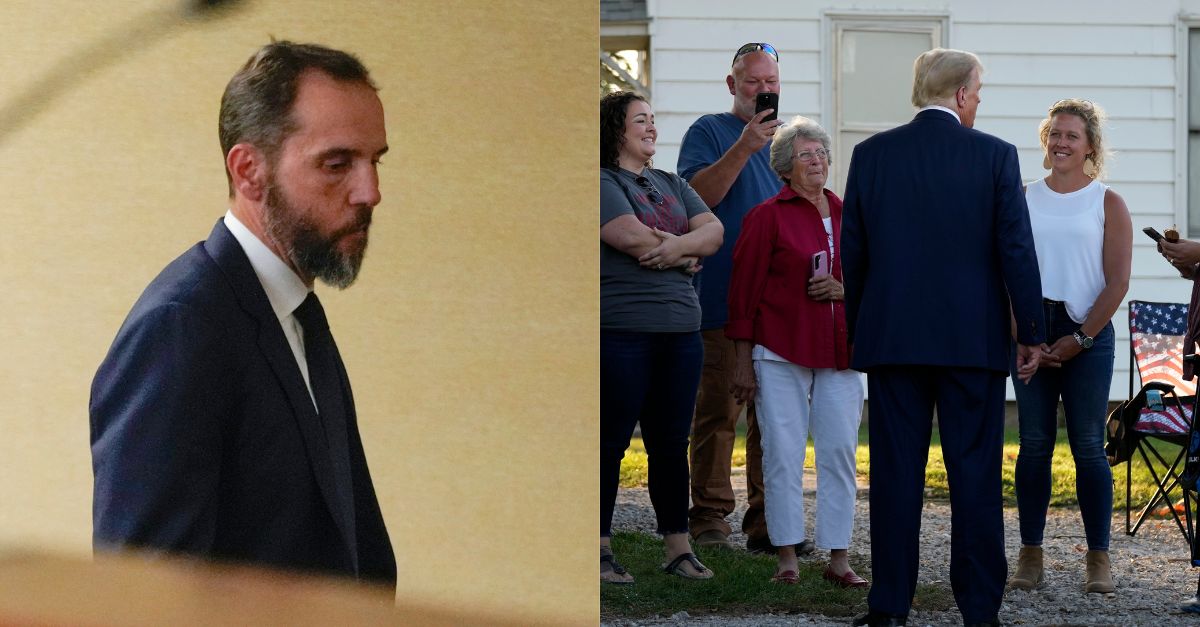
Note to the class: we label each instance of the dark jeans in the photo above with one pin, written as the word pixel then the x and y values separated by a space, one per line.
pixel 1083 384
pixel 649 378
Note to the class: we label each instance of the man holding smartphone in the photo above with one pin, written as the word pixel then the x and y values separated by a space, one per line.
pixel 725 158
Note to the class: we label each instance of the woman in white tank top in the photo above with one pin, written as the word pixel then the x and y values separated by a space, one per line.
pixel 1083 236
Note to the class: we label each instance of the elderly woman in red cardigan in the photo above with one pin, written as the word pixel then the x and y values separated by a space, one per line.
pixel 787 320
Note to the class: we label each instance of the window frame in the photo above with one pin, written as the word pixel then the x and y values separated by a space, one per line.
pixel 835 24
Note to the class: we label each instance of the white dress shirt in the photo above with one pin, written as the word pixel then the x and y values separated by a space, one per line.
pixel 941 108
pixel 284 289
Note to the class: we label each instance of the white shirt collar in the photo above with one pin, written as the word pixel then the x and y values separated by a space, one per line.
pixel 284 289
pixel 941 108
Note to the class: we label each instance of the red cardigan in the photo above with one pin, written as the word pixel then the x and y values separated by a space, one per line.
pixel 768 289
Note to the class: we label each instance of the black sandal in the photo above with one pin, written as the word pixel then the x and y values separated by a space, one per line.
pixel 606 557
pixel 673 568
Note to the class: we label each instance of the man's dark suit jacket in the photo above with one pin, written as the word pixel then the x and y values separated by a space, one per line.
pixel 935 239
pixel 205 439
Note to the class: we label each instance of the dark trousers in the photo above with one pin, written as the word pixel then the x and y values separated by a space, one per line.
pixel 970 411
pixel 649 378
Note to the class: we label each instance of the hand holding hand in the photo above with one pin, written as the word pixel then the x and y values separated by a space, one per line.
pixel 1028 358
pixel 1048 358
pixel 1064 349
pixel 825 287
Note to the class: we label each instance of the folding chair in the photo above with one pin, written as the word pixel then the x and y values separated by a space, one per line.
pixel 1156 332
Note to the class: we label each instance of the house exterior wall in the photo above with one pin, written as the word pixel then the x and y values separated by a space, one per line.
pixel 1129 58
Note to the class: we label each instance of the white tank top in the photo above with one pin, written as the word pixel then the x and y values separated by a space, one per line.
pixel 1068 234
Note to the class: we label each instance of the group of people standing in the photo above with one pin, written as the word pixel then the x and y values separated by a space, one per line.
pixel 745 280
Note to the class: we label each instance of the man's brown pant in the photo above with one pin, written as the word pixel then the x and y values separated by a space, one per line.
pixel 712 447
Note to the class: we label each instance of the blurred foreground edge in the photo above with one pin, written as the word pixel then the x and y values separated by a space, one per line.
pixel 132 589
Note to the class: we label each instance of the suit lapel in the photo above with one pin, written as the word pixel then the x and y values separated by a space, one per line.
pixel 229 256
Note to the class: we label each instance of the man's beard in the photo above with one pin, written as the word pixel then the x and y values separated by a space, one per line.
pixel 309 251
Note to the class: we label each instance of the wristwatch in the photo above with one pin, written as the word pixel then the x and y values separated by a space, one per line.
pixel 1084 340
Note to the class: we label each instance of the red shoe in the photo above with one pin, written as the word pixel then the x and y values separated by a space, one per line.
pixel 849 580
pixel 787 577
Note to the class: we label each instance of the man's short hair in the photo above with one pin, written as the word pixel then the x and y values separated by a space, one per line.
pixel 257 105
pixel 938 73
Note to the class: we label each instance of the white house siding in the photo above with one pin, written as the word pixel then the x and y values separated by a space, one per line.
pixel 1122 55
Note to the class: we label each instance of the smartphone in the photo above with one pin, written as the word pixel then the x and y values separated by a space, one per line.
pixel 1153 234
pixel 820 263
pixel 767 100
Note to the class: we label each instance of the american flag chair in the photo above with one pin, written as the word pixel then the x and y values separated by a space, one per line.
pixel 1156 332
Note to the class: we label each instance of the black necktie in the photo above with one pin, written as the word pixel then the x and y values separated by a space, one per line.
pixel 324 375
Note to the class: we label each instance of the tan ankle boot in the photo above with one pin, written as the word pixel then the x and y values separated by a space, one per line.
pixel 1029 574
pixel 1099 577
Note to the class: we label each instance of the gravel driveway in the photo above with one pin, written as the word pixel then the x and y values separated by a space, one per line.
pixel 1150 570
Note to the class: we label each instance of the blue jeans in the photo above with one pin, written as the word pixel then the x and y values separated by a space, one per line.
pixel 1083 384
pixel 650 378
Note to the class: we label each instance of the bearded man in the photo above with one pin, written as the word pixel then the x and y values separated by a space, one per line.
pixel 222 420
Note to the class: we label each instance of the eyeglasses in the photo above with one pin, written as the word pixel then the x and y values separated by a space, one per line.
pixel 807 157
pixel 755 47
pixel 648 187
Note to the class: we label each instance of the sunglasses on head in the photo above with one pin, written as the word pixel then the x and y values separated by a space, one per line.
pixel 648 187
pixel 755 47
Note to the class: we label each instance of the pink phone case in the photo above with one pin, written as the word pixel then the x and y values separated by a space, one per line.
pixel 820 263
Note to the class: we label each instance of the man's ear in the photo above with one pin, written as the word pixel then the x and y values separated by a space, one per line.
pixel 729 82
pixel 247 167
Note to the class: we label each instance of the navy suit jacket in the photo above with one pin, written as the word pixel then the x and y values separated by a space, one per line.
pixel 935 242
pixel 205 440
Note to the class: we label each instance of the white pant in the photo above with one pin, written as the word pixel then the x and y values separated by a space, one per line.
pixel 785 416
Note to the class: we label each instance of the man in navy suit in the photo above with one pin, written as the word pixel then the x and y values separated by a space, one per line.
pixel 222 421
pixel 936 247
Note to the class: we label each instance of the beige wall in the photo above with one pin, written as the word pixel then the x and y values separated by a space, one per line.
pixel 470 337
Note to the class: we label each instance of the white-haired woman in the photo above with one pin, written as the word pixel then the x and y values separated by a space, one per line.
pixel 788 324
pixel 1083 236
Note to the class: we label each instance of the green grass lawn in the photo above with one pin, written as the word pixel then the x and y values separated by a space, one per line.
pixel 1062 489
pixel 742 585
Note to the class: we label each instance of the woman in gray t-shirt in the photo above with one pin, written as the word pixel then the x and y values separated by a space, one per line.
pixel 653 231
